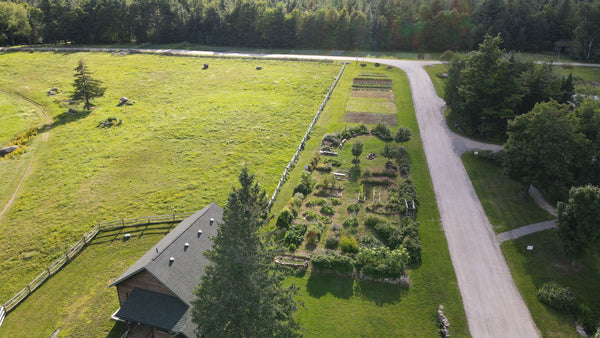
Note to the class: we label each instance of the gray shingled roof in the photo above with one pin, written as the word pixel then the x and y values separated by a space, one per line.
pixel 155 309
pixel 183 274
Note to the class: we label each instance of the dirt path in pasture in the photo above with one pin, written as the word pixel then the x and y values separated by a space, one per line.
pixel 45 137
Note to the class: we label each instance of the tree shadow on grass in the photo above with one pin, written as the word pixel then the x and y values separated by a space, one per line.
pixel 69 116
pixel 380 293
pixel 319 285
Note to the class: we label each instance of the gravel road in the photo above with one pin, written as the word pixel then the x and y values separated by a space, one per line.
pixel 492 302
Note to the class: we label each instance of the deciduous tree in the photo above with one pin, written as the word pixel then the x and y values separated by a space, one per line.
pixel 241 294
pixel 542 146
pixel 579 220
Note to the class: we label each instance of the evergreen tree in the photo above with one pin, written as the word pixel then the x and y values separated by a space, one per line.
pixel 86 87
pixel 402 135
pixel 241 294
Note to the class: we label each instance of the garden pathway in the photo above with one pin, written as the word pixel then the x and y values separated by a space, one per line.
pixel 526 230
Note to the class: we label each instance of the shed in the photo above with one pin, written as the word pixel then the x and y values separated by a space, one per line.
pixel 155 293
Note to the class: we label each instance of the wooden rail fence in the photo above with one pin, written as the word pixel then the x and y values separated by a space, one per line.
pixel 75 249
pixel 303 142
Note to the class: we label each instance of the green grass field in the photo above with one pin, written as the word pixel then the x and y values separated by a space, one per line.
pixel 337 306
pixel 500 196
pixel 16 115
pixel 438 82
pixel 506 210
pixel 180 147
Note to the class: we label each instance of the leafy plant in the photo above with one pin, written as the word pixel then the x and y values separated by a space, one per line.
pixel 332 242
pixel 353 208
pixel 285 218
pixel 294 236
pixel 381 262
pixel 557 297
pixel 327 210
pixel 348 244
pixel 316 201
pixel 351 222
pixel 333 262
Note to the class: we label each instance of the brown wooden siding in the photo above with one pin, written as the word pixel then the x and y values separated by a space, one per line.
pixel 142 280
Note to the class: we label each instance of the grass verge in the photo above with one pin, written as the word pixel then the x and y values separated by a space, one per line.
pixel 500 196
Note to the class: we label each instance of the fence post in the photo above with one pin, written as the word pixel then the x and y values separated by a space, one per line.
pixel 123 221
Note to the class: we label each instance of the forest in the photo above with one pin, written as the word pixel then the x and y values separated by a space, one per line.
pixel 567 26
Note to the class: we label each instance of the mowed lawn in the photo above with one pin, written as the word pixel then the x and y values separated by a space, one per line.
pixel 336 306
pixel 502 201
pixel 500 196
pixel 182 143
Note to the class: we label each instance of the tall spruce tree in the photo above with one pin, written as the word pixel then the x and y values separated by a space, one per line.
pixel 241 294
pixel 85 86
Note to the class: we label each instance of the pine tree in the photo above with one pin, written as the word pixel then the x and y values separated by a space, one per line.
pixel 85 86
pixel 241 294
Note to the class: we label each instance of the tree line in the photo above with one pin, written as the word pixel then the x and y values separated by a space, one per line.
pixel 421 25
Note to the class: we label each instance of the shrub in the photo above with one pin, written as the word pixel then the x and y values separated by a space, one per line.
pixel 381 262
pixel 370 242
pixel 354 208
pixel 310 215
pixel 316 201
pixel 314 233
pixel 306 184
pixel 351 222
pixel 294 236
pixel 403 161
pixel 323 168
pixel 372 221
pixel 285 218
pixel 349 244
pixel 327 210
pixel 332 242
pixel 333 162
pixel 314 161
pixel 335 201
pixel 557 297
pixel 382 131
pixel 413 248
pixel 385 173
pixel 333 262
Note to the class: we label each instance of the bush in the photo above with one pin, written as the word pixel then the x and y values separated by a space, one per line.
pixel 370 242
pixel 285 218
pixel 316 201
pixel 332 242
pixel 385 173
pixel 372 221
pixel 314 161
pixel 381 262
pixel 333 262
pixel 354 208
pixel 314 233
pixel 557 297
pixel 351 222
pixel 310 215
pixel 335 201
pixel 294 236
pixel 383 132
pixel 306 184
pixel 403 161
pixel 323 168
pixel 327 210
pixel 349 244
pixel 333 162
pixel 414 249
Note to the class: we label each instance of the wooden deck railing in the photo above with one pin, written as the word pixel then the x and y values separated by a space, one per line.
pixel 75 249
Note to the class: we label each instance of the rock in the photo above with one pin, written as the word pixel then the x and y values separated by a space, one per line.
pixel 205 66
pixel 52 91
pixel 124 99
pixel 258 68
pixel 7 150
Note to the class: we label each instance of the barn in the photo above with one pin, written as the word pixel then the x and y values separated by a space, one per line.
pixel 155 293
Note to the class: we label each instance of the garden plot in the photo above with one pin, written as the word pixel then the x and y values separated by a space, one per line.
pixel 371 101
pixel 349 225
